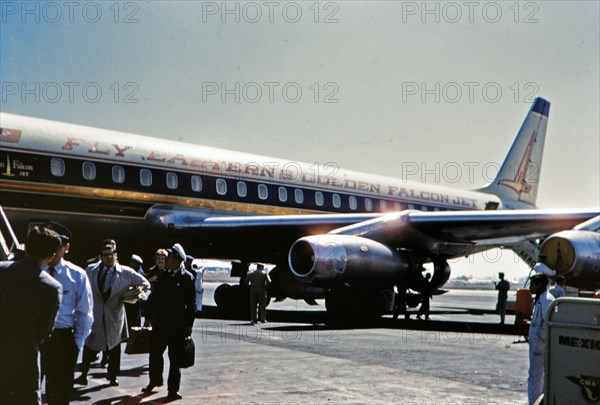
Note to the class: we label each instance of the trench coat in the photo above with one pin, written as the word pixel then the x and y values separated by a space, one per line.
pixel 110 322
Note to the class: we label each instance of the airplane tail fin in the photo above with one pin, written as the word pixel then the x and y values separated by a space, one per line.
pixel 517 181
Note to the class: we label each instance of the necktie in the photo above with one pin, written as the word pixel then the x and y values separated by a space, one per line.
pixel 102 278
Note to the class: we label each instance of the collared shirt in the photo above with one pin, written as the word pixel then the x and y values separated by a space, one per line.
pixel 76 306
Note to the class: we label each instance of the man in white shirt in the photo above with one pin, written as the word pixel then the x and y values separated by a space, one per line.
pixel 72 326
pixel 537 335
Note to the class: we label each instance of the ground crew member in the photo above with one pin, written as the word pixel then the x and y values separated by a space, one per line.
pixel 502 286
pixel 170 308
pixel 537 335
pixel 259 281
pixel 73 323
pixel 29 302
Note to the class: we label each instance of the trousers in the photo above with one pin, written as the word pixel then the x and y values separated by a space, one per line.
pixel 58 359
pixel 159 341
pixel 114 360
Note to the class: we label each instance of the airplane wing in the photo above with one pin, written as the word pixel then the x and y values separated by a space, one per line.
pixel 447 234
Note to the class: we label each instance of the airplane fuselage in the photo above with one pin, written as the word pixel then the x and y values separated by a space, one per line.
pixel 91 178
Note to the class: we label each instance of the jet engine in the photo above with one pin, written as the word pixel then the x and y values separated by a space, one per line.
pixel 333 260
pixel 575 255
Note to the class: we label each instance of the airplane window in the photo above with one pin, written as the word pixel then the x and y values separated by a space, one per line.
pixel 57 167
pixel 337 201
pixel 424 208
pixel 436 209
pixel 241 189
pixel 319 199
pixel 353 203
pixel 118 174
pixel 383 206
pixel 298 196
pixel 172 181
pixel 196 183
pixel 368 204
pixel 263 192
pixel 282 194
pixel 397 206
pixel 221 187
pixel 411 206
pixel 89 170
pixel 145 177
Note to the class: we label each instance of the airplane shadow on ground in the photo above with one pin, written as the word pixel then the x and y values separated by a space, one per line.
pixel 318 320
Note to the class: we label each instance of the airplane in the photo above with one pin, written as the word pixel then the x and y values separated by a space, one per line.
pixel 345 236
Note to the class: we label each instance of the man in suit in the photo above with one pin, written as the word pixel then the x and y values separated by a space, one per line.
pixel 110 281
pixel 29 302
pixel 171 310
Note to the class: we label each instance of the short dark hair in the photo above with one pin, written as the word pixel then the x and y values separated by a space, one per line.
pixel 42 242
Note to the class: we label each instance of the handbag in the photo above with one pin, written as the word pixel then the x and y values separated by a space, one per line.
pixel 189 353
pixel 139 341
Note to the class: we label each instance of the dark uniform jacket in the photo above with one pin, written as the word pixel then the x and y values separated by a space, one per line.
pixel 171 304
pixel 29 301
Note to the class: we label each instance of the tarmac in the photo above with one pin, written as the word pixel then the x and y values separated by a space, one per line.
pixel 461 356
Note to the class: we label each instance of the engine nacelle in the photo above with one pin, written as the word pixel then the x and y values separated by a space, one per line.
pixel 331 260
pixel 574 255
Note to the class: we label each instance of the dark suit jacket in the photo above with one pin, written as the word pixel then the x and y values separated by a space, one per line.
pixel 172 302
pixel 29 301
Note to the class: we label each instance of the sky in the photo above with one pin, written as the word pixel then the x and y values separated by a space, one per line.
pixel 372 86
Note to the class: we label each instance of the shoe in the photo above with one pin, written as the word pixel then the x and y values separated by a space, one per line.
pixel 174 395
pixel 253 322
pixel 150 387
pixel 263 321
pixel 113 382
pixel 81 380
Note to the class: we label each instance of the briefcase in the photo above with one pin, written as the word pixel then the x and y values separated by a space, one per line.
pixel 189 353
pixel 139 340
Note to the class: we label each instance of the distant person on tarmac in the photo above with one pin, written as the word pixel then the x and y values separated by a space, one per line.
pixel 502 286
pixel 425 297
pixel 259 281
pixel 537 335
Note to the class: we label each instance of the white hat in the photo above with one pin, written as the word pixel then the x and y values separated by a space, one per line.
pixel 541 268
pixel 177 248
pixel 137 259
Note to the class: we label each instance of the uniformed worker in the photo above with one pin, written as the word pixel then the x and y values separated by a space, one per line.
pixel 537 335
pixel 502 286
pixel 171 309
pixel 73 323
pixel 259 281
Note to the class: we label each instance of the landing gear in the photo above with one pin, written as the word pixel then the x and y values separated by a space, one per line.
pixel 234 299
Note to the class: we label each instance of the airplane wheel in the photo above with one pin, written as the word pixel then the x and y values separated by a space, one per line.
pixel 223 296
